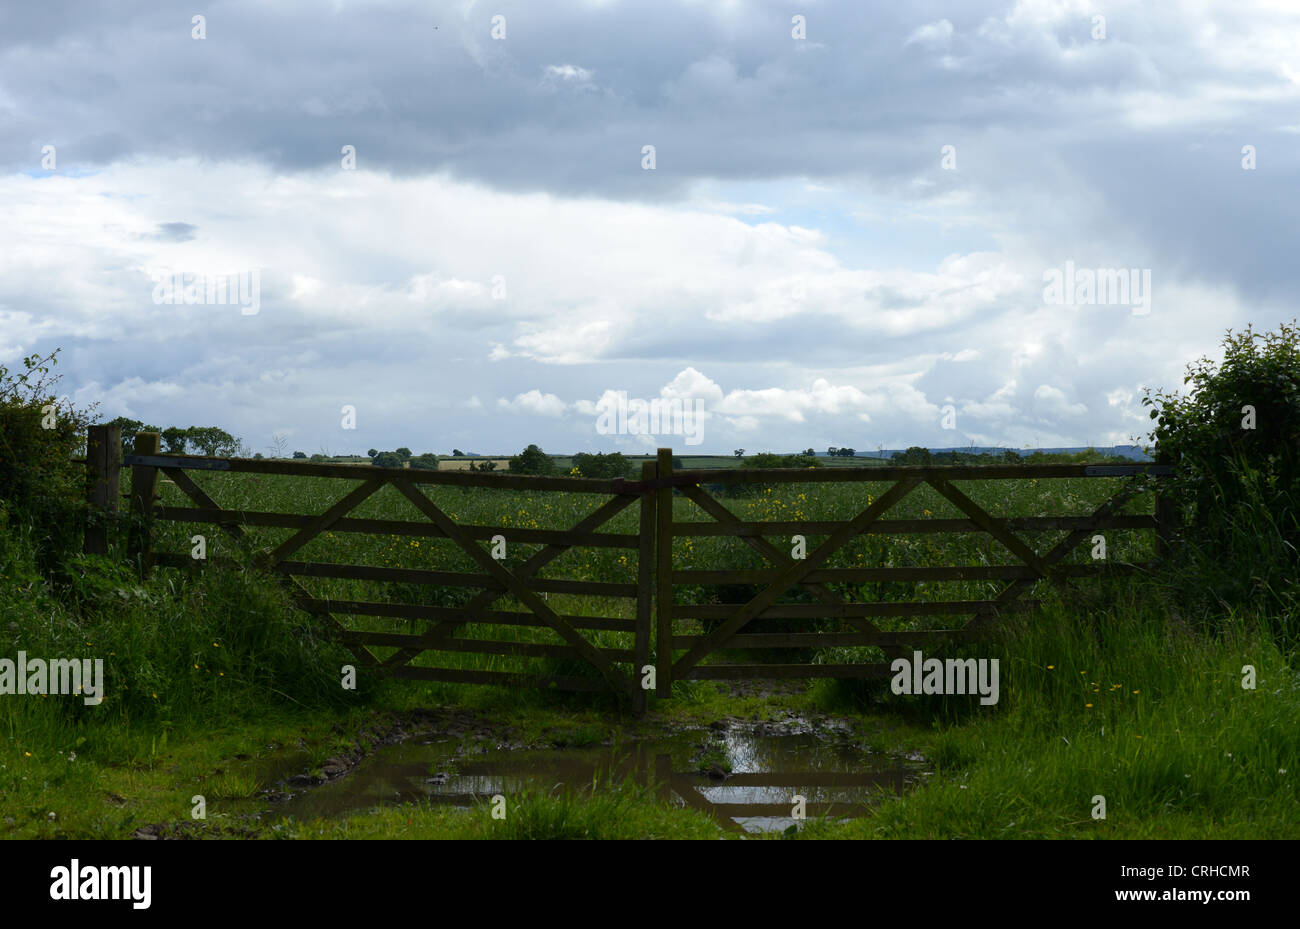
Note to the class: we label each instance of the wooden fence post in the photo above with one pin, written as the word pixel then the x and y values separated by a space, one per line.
pixel 144 487
pixel 103 485
pixel 644 589
pixel 1167 518
pixel 664 578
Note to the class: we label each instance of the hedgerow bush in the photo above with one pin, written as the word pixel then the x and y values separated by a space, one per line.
pixel 41 487
pixel 1234 441
pixel 1235 437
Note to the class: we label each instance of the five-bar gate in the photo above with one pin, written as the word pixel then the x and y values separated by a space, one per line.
pixel 616 651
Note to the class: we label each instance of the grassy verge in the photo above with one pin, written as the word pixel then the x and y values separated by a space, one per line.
pixel 1124 704
pixel 619 810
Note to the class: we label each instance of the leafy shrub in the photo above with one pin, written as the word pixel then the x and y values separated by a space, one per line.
pixel 1234 442
pixel 41 486
pixel 602 465
pixel 1224 452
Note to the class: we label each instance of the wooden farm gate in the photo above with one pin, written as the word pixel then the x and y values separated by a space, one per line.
pixel 680 656
pixel 651 583
pixel 443 624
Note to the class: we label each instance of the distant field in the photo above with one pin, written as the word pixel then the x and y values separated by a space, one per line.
pixel 462 464
pixel 702 462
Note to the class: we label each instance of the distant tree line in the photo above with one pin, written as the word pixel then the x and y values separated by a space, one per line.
pixel 923 456
pixel 772 460
pixel 400 457
pixel 201 440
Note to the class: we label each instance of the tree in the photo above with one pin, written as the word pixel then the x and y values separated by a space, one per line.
pixel 810 453
pixel 176 439
pixel 387 460
pixel 404 453
pixel 602 465
pixel 212 441
pixel 371 453
pixel 1234 440
pixel 846 453
pixel 832 451
pixel 300 454
pixel 532 460
pixel 457 453
pixel 739 452
pixel 915 455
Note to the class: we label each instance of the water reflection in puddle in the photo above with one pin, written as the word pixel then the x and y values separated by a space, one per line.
pixel 768 773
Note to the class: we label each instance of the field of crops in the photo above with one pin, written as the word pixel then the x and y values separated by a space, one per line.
pixel 522 509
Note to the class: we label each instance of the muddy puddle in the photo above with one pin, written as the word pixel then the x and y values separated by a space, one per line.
pixel 747 781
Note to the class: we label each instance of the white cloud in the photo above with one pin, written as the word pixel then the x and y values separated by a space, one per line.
pixel 690 384
pixel 535 403
pixel 1051 401
pixel 937 34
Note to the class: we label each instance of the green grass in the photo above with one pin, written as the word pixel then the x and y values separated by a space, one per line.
pixel 206 666
pixel 616 810
pixel 1152 717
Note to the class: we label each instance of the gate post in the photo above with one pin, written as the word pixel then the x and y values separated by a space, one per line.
pixel 1167 517
pixel 644 589
pixel 103 485
pixel 144 487
pixel 664 578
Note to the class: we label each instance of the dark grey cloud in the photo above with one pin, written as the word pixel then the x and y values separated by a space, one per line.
pixel 1037 112
pixel 176 232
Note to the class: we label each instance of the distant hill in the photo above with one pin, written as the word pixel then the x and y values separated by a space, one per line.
pixel 1133 452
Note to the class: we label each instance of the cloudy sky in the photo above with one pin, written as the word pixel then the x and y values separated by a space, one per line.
pixel 844 231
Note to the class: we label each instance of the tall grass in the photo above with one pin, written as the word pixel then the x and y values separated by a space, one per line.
pixel 180 652
pixel 1124 704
